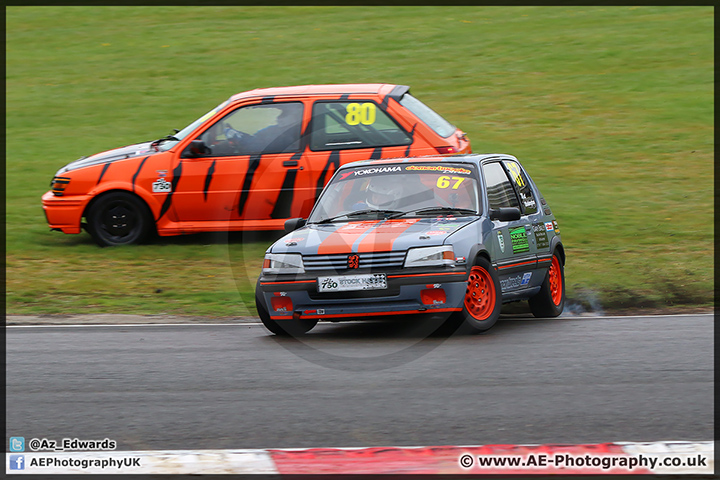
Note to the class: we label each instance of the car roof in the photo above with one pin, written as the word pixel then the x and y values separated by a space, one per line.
pixel 329 89
pixel 474 158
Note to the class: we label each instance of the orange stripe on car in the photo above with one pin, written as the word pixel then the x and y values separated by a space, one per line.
pixel 286 283
pixel 427 274
pixel 517 264
pixel 371 314
pixel 342 240
pixel 382 238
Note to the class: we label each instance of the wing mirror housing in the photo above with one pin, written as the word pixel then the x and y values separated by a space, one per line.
pixel 505 214
pixel 293 224
pixel 197 148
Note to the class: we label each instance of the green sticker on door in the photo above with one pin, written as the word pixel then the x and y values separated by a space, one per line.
pixel 519 240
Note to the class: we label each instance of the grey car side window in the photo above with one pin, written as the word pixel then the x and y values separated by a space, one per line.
pixel 499 189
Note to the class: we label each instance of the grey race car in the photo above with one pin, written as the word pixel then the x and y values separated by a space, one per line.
pixel 454 235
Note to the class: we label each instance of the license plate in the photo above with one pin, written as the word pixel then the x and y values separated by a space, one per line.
pixel 344 283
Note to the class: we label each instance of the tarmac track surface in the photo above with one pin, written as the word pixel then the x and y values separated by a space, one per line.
pixel 567 380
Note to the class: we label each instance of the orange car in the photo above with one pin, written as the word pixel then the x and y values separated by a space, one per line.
pixel 254 161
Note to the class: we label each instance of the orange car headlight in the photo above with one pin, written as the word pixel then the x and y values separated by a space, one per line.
pixel 58 185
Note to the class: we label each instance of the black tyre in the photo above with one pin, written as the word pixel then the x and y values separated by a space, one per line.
pixel 118 218
pixel 290 327
pixel 483 300
pixel 550 300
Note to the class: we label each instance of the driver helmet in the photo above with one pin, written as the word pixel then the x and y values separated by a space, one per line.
pixel 384 192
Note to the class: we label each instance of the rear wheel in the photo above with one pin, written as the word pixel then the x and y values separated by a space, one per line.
pixel 482 302
pixel 550 300
pixel 290 327
pixel 118 218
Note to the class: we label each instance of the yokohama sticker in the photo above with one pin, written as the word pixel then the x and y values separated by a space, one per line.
pixel 375 171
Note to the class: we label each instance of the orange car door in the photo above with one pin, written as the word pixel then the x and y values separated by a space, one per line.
pixel 251 169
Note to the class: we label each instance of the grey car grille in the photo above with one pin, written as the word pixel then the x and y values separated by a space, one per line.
pixel 370 260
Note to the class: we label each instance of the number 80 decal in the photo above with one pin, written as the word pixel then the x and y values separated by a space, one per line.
pixel 360 113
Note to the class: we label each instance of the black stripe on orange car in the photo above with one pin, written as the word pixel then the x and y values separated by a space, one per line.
pixel 138 172
pixel 177 173
pixel 208 179
pixel 102 173
pixel 284 200
pixel 247 183
pixel 333 160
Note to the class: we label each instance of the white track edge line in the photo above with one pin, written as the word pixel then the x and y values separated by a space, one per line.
pixel 79 325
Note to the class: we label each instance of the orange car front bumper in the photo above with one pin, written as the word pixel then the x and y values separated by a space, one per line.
pixel 64 213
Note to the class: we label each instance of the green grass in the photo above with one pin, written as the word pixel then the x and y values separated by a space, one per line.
pixel 609 108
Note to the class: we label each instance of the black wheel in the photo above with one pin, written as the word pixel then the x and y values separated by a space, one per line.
pixel 550 300
pixel 290 327
pixel 483 300
pixel 118 218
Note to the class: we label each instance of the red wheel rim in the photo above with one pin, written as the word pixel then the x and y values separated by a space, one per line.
pixel 555 280
pixel 480 294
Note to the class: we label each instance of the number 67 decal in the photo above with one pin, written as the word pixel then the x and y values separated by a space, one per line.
pixel 444 182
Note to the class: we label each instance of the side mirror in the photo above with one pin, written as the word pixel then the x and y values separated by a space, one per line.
pixel 197 148
pixel 293 224
pixel 505 214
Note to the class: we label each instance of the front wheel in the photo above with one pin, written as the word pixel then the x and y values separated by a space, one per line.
pixel 550 300
pixel 284 328
pixel 118 218
pixel 482 302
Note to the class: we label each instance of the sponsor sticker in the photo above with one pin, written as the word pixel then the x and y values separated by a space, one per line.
pixel 540 232
pixel 526 278
pixel 376 170
pixel 557 229
pixel 549 226
pixel 510 283
pixel 438 168
pixel 161 186
pixel 373 281
pixel 519 240
pixel 501 241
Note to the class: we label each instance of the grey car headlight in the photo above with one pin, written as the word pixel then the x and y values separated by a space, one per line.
pixel 430 256
pixel 278 263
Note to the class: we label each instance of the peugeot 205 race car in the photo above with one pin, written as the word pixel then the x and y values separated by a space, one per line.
pixel 273 149
pixel 457 235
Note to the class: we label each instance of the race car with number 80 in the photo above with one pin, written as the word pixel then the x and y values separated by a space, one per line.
pixel 252 162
